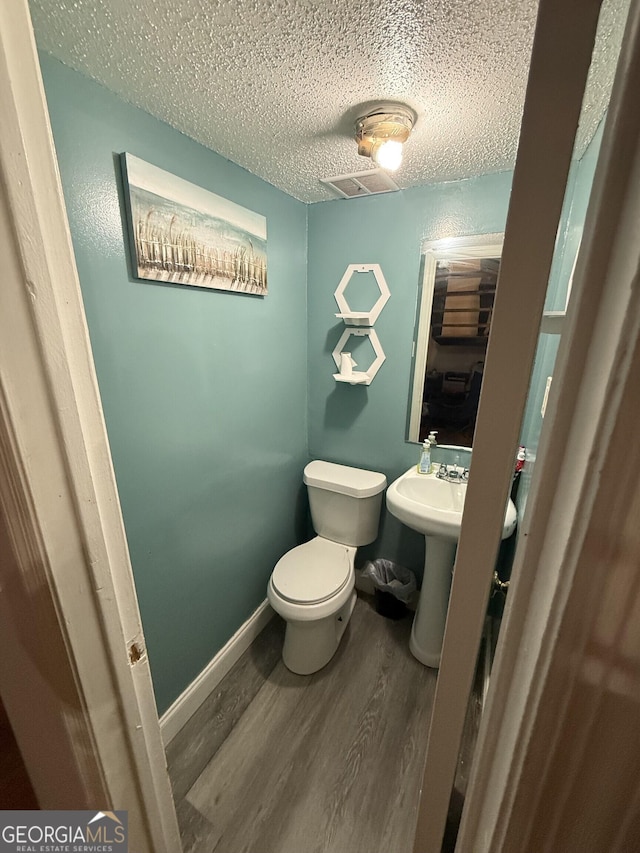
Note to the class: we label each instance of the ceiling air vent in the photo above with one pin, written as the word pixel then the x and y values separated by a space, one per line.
pixel 361 183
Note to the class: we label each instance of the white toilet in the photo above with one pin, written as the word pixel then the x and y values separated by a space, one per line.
pixel 312 586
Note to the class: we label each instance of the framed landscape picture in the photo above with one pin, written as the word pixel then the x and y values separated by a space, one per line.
pixel 187 235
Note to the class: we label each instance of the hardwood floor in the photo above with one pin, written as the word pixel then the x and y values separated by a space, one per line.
pixel 198 741
pixel 328 763
pixel 465 759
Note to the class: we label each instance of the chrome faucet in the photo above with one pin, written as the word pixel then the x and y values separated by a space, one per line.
pixel 452 473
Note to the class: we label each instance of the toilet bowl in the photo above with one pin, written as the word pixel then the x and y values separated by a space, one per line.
pixel 313 586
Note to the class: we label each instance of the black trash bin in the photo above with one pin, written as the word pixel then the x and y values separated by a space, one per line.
pixel 394 586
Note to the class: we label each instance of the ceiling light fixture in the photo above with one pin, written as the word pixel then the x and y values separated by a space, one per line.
pixel 382 132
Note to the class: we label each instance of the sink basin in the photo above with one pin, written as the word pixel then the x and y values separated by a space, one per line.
pixel 434 508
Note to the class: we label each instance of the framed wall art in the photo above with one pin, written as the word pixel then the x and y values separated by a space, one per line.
pixel 184 234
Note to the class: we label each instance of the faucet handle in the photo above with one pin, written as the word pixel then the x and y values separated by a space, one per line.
pixel 442 471
pixel 465 474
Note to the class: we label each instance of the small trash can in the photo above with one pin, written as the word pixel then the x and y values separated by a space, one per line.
pixel 394 586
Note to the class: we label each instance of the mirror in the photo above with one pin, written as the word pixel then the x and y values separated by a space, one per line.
pixel 453 320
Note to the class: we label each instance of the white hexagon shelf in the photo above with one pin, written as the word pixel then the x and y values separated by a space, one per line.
pixel 361 318
pixel 358 377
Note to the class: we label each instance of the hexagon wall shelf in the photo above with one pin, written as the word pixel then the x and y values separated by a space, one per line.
pixel 361 318
pixel 359 377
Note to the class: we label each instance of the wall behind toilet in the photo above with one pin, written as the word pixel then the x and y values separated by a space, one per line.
pixel 366 426
pixel 204 392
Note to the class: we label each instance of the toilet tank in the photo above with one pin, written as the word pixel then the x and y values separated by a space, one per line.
pixel 345 502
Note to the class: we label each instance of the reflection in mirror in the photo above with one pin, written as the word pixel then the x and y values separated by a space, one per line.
pixel 452 330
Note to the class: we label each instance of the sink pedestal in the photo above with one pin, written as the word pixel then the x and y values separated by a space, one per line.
pixel 428 624
pixel 433 505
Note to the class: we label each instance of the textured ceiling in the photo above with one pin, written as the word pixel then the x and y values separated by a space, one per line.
pixel 275 85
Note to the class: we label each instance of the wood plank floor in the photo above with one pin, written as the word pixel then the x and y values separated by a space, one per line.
pixel 328 763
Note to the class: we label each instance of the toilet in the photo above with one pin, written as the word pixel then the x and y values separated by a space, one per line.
pixel 313 586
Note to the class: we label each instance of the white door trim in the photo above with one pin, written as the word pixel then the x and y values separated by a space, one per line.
pixel 544 156
pixel 577 567
pixel 65 558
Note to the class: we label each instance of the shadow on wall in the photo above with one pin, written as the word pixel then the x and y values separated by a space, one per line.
pixel 344 405
pixel 302 515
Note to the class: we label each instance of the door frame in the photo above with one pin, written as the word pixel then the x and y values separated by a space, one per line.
pixel 74 674
pixel 545 149
pixel 571 615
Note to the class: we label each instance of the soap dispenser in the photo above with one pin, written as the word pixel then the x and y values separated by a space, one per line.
pixel 424 466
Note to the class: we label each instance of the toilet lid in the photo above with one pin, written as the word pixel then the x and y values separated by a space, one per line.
pixel 313 572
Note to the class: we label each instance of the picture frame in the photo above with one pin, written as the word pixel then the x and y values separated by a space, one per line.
pixel 183 234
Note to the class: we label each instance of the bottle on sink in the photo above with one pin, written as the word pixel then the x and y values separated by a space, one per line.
pixel 424 466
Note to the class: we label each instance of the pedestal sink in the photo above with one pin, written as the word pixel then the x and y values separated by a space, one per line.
pixel 433 506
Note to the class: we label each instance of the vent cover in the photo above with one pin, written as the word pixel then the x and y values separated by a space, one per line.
pixel 361 183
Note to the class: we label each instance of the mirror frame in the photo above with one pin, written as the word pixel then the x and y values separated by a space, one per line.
pixel 473 246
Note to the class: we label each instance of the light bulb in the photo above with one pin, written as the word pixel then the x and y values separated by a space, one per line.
pixel 388 154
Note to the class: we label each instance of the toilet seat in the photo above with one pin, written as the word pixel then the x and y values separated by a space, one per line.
pixel 313 572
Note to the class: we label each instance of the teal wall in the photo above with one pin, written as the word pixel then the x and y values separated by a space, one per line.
pixel 567 245
pixel 366 425
pixel 204 392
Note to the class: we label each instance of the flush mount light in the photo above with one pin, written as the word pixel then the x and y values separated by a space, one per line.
pixel 382 132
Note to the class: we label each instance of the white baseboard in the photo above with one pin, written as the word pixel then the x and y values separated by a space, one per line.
pixel 203 684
